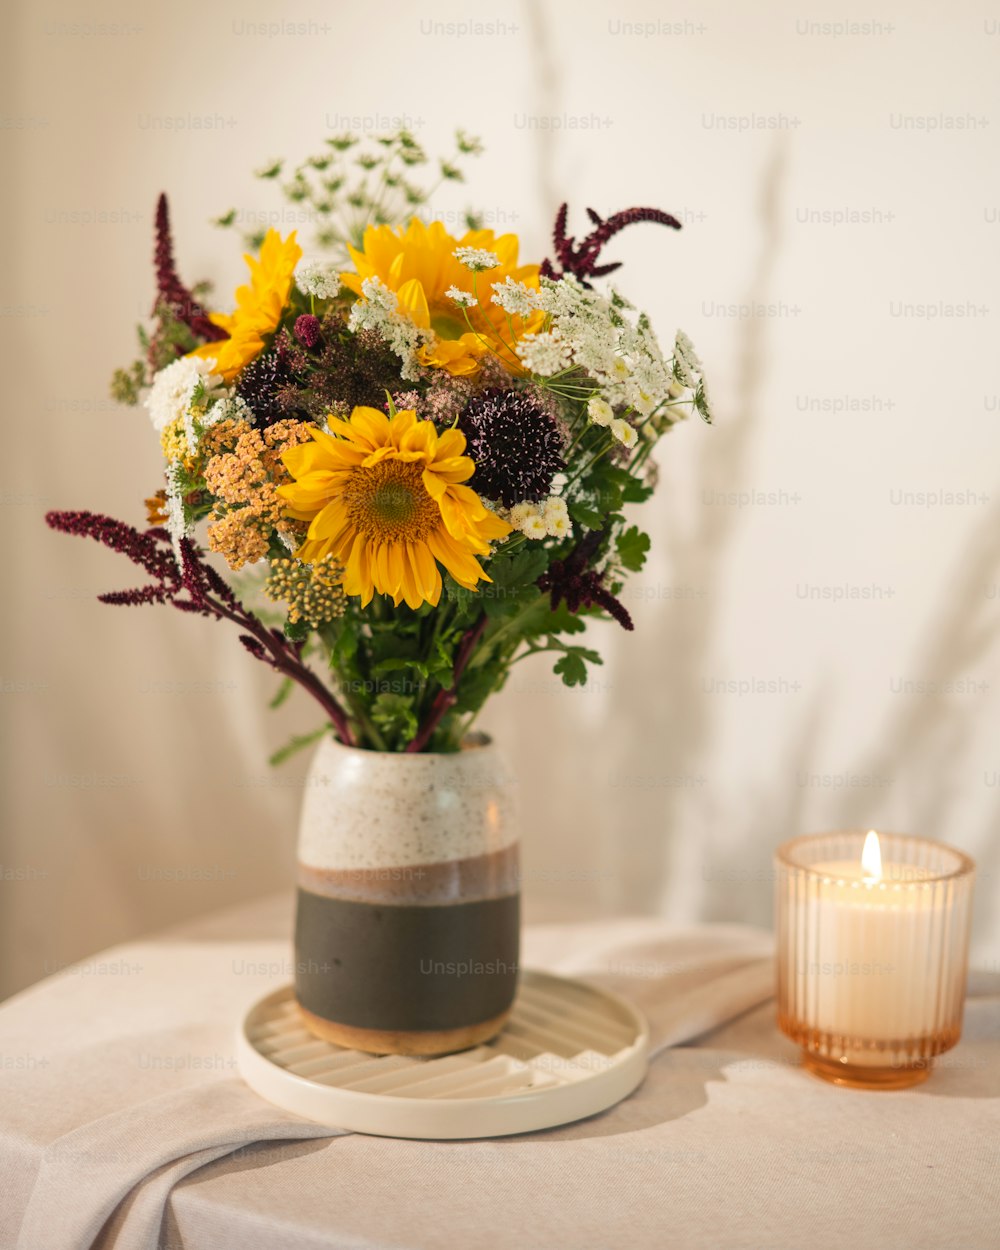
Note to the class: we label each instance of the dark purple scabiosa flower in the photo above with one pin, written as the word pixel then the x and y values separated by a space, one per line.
pixel 516 444
pixel 268 385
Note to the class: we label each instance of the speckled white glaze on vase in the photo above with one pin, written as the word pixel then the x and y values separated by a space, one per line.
pixel 407 924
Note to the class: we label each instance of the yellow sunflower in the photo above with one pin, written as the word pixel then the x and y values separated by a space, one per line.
pixel 418 262
pixel 258 306
pixel 385 497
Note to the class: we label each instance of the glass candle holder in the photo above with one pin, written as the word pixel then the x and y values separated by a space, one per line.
pixel 873 956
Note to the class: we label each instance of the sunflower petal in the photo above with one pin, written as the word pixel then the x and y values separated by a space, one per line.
pixel 370 426
pixel 464 567
pixel 413 301
pixel 358 574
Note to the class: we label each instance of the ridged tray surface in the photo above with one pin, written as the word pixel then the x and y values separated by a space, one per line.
pixel 568 1050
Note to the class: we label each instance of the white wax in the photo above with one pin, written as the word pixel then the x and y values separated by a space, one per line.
pixel 873 953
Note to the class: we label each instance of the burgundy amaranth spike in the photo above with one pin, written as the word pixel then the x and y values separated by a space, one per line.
pixel 170 289
pixel 572 581
pixel 580 260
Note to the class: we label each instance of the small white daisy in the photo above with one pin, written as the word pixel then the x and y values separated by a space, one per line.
pixel 520 513
pixel 624 432
pixel 555 505
pixel 535 526
pixel 600 411
pixel 557 526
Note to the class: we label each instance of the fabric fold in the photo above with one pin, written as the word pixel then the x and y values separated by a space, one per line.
pixel 87 1173
pixel 107 1183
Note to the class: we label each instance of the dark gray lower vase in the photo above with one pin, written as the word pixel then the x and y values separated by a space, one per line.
pixel 408 919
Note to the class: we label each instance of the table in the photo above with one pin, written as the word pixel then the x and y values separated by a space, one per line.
pixel 726 1144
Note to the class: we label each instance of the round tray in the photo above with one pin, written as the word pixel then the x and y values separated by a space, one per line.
pixel 568 1051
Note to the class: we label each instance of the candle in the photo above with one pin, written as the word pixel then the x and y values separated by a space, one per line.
pixel 872 953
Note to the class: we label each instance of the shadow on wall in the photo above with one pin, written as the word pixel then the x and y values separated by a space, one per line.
pixel 665 830
pixel 665 827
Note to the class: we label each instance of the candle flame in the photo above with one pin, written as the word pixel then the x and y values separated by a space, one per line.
pixel 871 857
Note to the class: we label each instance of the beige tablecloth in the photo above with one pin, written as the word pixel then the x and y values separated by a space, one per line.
pixel 124 1123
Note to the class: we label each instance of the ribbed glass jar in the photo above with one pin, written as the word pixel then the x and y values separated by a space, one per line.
pixel 872 967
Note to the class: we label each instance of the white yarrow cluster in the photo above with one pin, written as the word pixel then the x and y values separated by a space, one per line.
pixel 312 277
pixel 548 519
pixel 173 388
pixel 378 310
pixel 478 259
pixel 515 297
pixel 228 408
pixel 464 299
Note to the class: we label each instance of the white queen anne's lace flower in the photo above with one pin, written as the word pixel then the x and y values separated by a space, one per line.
pixel 615 347
pixel 514 297
pixel 478 259
pixel 545 354
pixel 173 388
pixel 378 310
pixel 312 277
pixel 464 299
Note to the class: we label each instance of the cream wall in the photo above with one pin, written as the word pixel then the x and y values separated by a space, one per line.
pixel 135 741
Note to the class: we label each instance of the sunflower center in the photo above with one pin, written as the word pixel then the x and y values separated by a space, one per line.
pixel 389 502
pixel 447 324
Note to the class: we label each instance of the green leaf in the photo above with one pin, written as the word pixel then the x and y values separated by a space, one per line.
pixel 636 491
pixel 572 668
pixel 393 714
pixel 399 664
pixel 523 568
pixel 282 693
pixel 588 517
pixel 632 546
pixel 477 685
pixel 558 621
pixel 513 585
pixel 271 170
pixel 296 744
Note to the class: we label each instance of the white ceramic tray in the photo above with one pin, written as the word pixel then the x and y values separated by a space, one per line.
pixel 568 1051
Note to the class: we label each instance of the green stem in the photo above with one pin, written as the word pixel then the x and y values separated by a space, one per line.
pixel 489 643
pixel 360 714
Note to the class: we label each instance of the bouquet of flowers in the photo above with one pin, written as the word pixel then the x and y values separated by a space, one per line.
pixel 415 450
